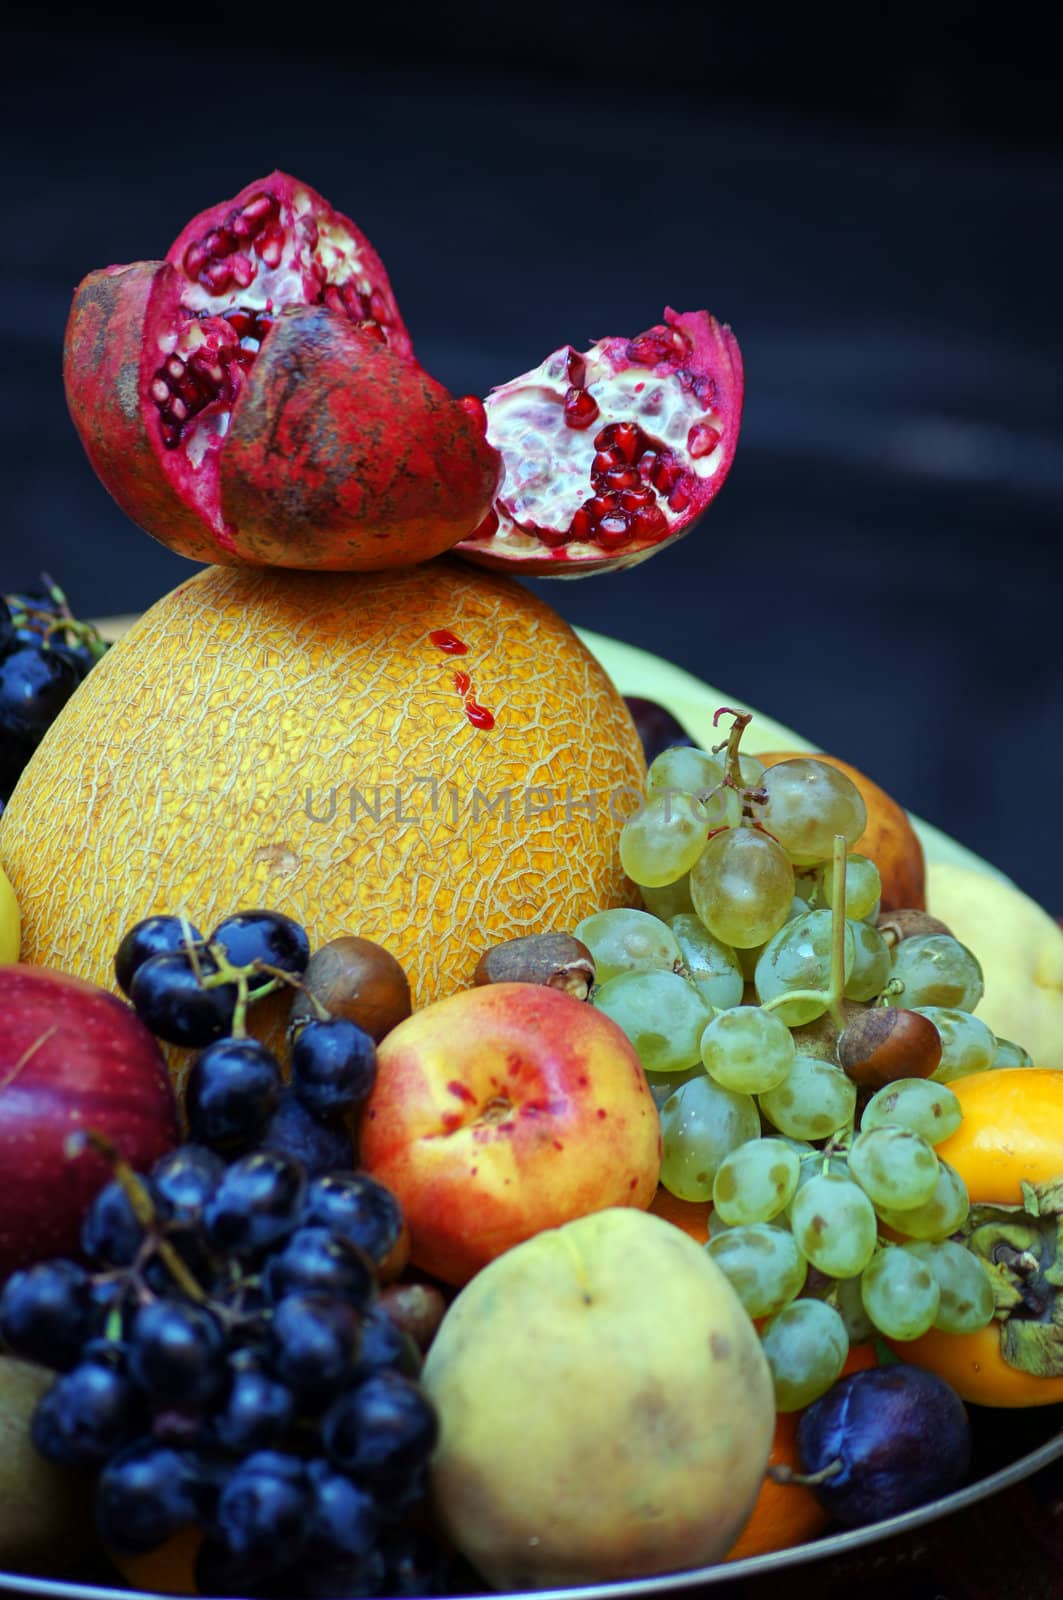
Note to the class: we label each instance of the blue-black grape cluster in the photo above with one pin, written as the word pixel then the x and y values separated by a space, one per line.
pixel 232 1357
pixel 229 1363
pixel 236 1096
pixel 44 654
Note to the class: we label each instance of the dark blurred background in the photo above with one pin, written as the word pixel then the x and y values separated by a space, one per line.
pixel 871 197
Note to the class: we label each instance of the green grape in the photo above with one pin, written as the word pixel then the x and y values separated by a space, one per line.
pixel 894 1166
pixel 755 1182
pixel 628 941
pixel 834 1224
pixel 741 886
pixel 936 1218
pixel 765 1268
pixel 849 1302
pixel 900 1293
pixel 814 1165
pixel 936 970
pixel 669 900
pixel 662 1014
pixel 747 1049
pixel 750 770
pixel 711 965
pixel 863 886
pixel 662 1084
pixel 700 1125
pixel 931 1109
pixel 815 1100
pixel 871 963
pixel 1010 1054
pixel 806 1345
pixel 662 841
pixel 808 802
pixel 967 1299
pixel 967 1045
pixel 685 770
pixel 798 957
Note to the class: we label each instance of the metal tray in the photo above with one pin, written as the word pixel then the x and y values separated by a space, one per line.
pixel 1010 1446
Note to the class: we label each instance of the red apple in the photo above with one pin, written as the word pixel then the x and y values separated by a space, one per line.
pixel 71 1056
pixel 502 1111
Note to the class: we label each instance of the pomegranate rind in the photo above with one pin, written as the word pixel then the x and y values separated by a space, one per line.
pixel 296 197
pixel 342 456
pixel 103 361
pixel 713 358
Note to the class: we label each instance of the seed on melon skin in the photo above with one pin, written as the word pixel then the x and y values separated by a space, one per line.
pixel 332 705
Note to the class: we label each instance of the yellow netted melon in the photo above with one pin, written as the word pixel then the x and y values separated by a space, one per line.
pixel 319 744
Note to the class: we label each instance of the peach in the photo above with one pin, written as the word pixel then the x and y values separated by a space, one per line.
pixel 504 1110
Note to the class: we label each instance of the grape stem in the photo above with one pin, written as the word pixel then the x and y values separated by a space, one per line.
pixel 831 997
pixel 780 1473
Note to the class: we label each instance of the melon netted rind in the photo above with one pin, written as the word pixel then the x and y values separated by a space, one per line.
pixel 222 755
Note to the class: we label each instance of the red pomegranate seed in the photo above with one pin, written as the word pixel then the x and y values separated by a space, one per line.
pixel 256 212
pixel 178 409
pixel 160 390
pixel 372 330
pixel 218 242
pixel 681 495
pixel 487 529
pixel 577 369
pixel 580 409
pixel 649 523
pixel 627 437
pixel 216 276
pixel 603 505
pixel 581 527
pixel 553 537
pixel 354 303
pixel 241 321
pixel 195 259
pixel 657 346
pixel 264 322
pixel 635 499
pixel 667 472
pixel 379 309
pixel 174 368
pixel 623 477
pixel 702 439
pixel 243 269
pixel 614 530
pixel 270 247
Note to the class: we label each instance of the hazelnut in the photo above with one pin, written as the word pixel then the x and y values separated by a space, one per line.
pixel 416 1308
pixel 556 960
pixel 356 979
pixel 898 925
pixel 888 1042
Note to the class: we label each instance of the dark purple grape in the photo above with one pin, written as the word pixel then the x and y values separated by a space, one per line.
pixel 358 1207
pixel 177 1353
pixel 900 1434
pixel 87 1416
pixel 35 685
pixel 344 1518
pixel 267 936
pixel 263 1509
pixel 316 1260
pixel 152 936
pixel 184 1180
pixel 385 1346
pixel 656 726
pixel 233 1090
pixel 333 1065
pixel 171 1001
pixel 78 656
pixel 257 1204
pixel 258 1411
pixel 145 1494
pixel 320 1145
pixel 47 1312
pixel 381 1432
pixel 111 1236
pixel 314 1343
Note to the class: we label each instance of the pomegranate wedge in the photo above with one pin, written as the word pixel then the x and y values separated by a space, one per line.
pixel 323 445
pixel 613 453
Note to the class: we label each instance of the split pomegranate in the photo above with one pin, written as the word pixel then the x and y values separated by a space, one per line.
pixel 254 398
pixel 612 453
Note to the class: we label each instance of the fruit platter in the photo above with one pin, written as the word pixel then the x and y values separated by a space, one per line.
pixel 481 1111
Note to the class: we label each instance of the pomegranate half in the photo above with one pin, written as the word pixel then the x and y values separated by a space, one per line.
pixel 254 399
pixel 611 454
